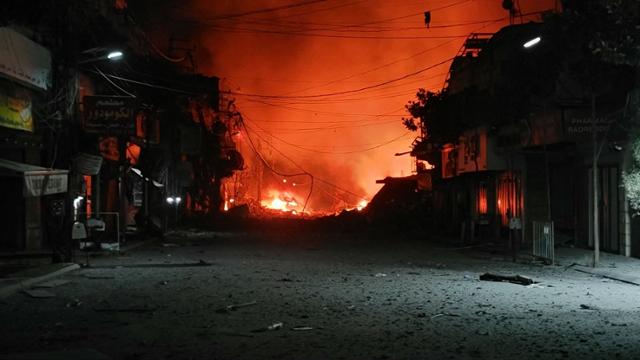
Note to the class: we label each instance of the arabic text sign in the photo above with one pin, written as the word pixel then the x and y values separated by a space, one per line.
pixel 37 185
pixel 109 115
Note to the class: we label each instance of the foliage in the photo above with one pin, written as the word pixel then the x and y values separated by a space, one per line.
pixel 631 177
pixel 438 115
pixel 610 33
pixel 609 28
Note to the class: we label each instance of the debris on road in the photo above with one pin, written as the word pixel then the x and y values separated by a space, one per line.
pixel 132 309
pixel 272 327
pixel 39 294
pixel 380 275
pixel 588 307
pixel 99 276
pixel 229 333
pixel 302 328
pixel 51 284
pixel 74 303
pixel 514 279
pixel 444 314
pixel 535 286
pixel 618 276
pixel 234 307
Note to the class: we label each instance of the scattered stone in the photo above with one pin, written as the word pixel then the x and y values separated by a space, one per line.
pixel 51 284
pixel 234 307
pixel 39 294
pixel 302 328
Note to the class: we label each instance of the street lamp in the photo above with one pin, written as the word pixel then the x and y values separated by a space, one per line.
pixel 532 42
pixel 115 55
pixel 112 55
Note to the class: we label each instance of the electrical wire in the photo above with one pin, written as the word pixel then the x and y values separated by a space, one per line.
pixel 245 30
pixel 319 112
pixel 267 10
pixel 106 77
pixel 270 133
pixel 155 86
pixel 266 163
pixel 313 177
pixel 346 91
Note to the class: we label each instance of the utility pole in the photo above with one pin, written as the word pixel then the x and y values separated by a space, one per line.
pixel 596 225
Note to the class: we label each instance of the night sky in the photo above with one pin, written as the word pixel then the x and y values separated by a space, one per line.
pixel 325 82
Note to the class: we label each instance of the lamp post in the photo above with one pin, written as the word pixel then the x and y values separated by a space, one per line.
pixel 532 42
pixel 113 55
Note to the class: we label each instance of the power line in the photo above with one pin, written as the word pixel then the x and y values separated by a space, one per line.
pixel 332 152
pixel 346 91
pixel 244 30
pixel 319 112
pixel 384 65
pixel 266 163
pixel 267 10
pixel 354 28
pixel 301 168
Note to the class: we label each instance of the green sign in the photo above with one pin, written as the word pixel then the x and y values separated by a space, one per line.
pixel 15 111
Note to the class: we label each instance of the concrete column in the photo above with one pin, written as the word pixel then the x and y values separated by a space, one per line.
pixel 625 224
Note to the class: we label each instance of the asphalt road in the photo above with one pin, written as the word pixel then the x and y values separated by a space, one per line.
pixel 322 296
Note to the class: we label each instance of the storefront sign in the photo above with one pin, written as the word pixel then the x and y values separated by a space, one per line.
pixel 88 164
pixel 15 109
pixel 472 151
pixel 579 125
pixel 109 115
pixel 37 179
pixel 24 60
pixel 37 185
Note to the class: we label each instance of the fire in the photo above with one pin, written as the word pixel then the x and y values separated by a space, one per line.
pixel 362 204
pixel 282 201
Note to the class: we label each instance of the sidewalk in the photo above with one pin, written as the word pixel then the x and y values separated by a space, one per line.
pixel 13 281
pixel 27 278
pixel 612 266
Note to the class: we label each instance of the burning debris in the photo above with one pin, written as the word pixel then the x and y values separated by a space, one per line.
pixel 282 201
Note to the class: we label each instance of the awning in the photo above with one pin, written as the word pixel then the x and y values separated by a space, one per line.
pixel 37 180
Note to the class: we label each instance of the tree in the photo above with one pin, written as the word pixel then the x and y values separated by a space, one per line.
pixel 605 33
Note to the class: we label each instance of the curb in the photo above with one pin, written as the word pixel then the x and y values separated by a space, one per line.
pixel 633 280
pixel 8 290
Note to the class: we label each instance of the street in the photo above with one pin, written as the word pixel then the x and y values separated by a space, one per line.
pixel 319 295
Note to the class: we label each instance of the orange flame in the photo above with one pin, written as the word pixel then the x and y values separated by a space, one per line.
pixel 282 201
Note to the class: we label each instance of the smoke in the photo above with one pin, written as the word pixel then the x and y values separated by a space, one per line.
pixel 347 141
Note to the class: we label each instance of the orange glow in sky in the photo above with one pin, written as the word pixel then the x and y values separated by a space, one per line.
pixel 325 82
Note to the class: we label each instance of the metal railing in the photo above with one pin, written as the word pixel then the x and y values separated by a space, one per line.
pixel 543 240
